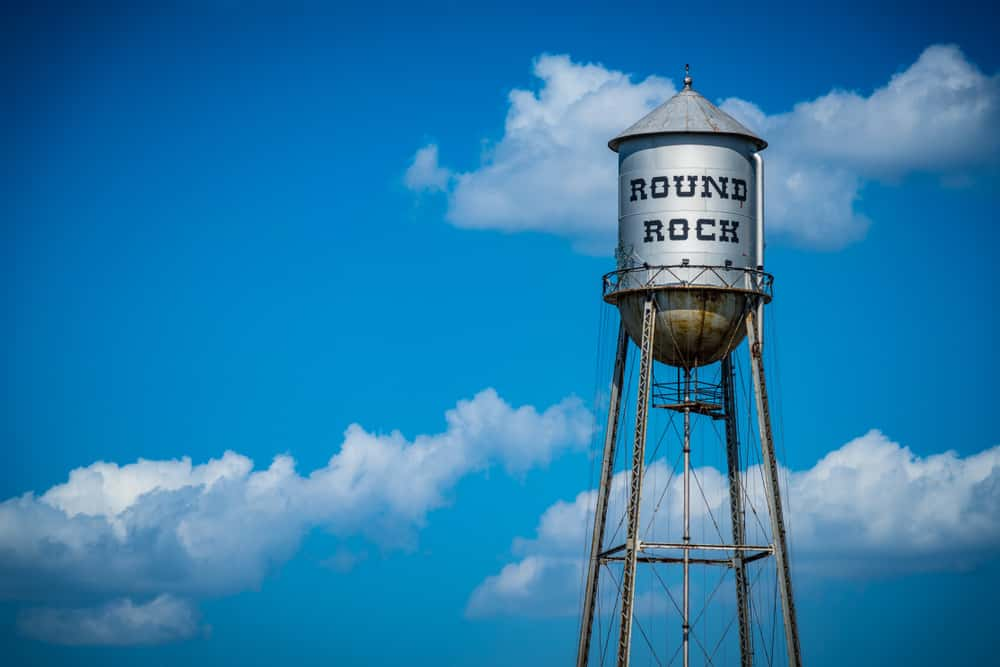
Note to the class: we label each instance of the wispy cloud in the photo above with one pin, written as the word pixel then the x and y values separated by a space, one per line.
pixel 424 173
pixel 117 623
pixel 551 170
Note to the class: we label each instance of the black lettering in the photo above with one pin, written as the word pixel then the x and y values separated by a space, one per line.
pixel 728 228
pixel 739 189
pixel 653 227
pixel 681 235
pixel 659 181
pixel 638 186
pixel 692 182
pixel 704 222
pixel 723 181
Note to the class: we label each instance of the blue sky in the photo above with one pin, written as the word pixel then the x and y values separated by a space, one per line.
pixel 319 233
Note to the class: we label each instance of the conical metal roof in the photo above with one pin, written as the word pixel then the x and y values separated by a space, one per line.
pixel 686 112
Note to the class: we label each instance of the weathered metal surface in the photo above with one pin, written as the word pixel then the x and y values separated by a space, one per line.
pixel 772 489
pixel 694 327
pixel 648 276
pixel 687 199
pixel 736 516
pixel 687 111
pixel 686 560
pixel 689 286
pixel 632 540
pixel 601 509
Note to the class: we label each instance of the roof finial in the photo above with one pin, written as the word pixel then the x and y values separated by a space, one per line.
pixel 687 77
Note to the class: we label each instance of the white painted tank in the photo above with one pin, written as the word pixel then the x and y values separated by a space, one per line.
pixel 687 205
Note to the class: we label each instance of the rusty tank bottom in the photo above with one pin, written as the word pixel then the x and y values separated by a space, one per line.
pixel 694 326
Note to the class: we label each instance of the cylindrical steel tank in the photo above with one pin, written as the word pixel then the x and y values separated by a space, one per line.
pixel 687 228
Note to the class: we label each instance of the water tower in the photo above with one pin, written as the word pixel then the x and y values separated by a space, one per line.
pixel 689 286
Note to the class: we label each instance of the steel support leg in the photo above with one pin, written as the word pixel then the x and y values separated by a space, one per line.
pixel 754 326
pixel 736 512
pixel 632 544
pixel 686 621
pixel 603 493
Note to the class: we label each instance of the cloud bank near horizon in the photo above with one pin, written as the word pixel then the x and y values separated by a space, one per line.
pixel 149 538
pixel 551 171
pixel 863 510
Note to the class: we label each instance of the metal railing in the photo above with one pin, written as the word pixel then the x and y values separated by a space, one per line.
pixel 688 276
pixel 698 391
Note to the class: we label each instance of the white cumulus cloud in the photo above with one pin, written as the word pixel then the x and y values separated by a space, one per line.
pixel 867 508
pixel 937 116
pixel 169 527
pixel 117 623
pixel 515 591
pixel 551 170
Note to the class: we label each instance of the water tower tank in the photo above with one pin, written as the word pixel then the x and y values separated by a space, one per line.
pixel 688 228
